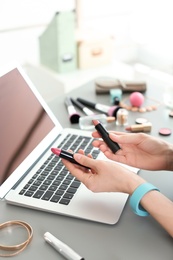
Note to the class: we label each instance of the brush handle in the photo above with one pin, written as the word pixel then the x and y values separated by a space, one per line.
pixel 68 102
pixel 85 109
pixel 78 104
pixel 86 102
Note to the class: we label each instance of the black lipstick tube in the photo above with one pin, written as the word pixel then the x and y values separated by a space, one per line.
pixel 69 156
pixel 105 135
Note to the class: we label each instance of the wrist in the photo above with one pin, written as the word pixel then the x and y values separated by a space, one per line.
pixel 134 182
pixel 137 196
pixel 170 158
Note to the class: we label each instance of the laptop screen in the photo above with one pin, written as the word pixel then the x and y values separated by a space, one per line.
pixel 24 122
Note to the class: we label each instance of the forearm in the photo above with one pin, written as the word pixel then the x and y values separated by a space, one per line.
pixel 160 208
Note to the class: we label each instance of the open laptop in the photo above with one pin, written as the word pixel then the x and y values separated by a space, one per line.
pixel 30 175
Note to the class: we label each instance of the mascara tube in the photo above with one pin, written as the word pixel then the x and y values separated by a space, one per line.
pixel 105 135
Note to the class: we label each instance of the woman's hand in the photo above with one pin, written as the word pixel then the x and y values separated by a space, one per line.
pixel 103 176
pixel 138 150
pixel 108 176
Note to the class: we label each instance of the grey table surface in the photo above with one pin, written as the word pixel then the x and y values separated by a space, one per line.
pixel 133 237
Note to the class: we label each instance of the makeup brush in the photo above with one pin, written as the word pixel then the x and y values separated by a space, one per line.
pixel 73 115
pixel 85 122
pixel 109 110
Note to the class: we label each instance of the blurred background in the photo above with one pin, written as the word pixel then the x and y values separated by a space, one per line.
pixel 101 32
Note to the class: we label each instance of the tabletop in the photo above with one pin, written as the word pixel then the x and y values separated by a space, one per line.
pixel 133 237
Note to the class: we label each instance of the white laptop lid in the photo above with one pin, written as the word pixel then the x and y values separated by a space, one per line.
pixel 16 94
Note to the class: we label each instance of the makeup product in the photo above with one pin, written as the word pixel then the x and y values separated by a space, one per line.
pixel 115 96
pixel 136 99
pixel 122 117
pixel 141 120
pixel 61 247
pixel 140 127
pixel 105 135
pixel 85 109
pixel 125 103
pixel 171 114
pixel 108 110
pixel 104 84
pixel 85 122
pixel 66 155
pixel 73 115
pixel 165 131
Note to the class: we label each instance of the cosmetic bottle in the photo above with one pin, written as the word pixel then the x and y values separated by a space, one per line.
pixel 85 122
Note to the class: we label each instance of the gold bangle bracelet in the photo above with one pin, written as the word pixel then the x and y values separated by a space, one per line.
pixel 20 247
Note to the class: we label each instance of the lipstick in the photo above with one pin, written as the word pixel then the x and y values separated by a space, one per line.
pixel 139 128
pixel 66 155
pixel 105 135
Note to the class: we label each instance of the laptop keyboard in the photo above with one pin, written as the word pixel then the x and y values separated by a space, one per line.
pixel 53 182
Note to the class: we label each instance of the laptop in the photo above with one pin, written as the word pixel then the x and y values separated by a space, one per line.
pixel 30 175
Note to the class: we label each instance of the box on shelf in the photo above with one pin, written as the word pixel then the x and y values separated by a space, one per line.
pixel 94 52
pixel 58 47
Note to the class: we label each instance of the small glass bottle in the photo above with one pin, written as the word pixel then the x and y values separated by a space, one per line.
pixel 85 122
pixel 122 117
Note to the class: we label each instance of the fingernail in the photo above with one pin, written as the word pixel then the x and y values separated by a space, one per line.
pixel 78 156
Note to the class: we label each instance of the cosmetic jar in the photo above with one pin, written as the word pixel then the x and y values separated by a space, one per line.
pixel 122 117
pixel 85 122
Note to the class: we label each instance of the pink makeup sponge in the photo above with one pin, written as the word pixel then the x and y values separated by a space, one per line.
pixel 136 99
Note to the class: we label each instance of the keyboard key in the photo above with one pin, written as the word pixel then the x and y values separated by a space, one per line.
pixel 52 188
pixel 59 192
pixel 47 195
pixel 51 177
pixel 64 201
pixel 29 193
pixel 56 183
pixel 37 183
pixel 71 190
pixel 47 182
pixel 63 187
pixel 66 182
pixel 55 198
pixel 22 192
pixel 68 196
pixel 75 184
pixel 33 188
pixel 38 194
pixel 43 187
